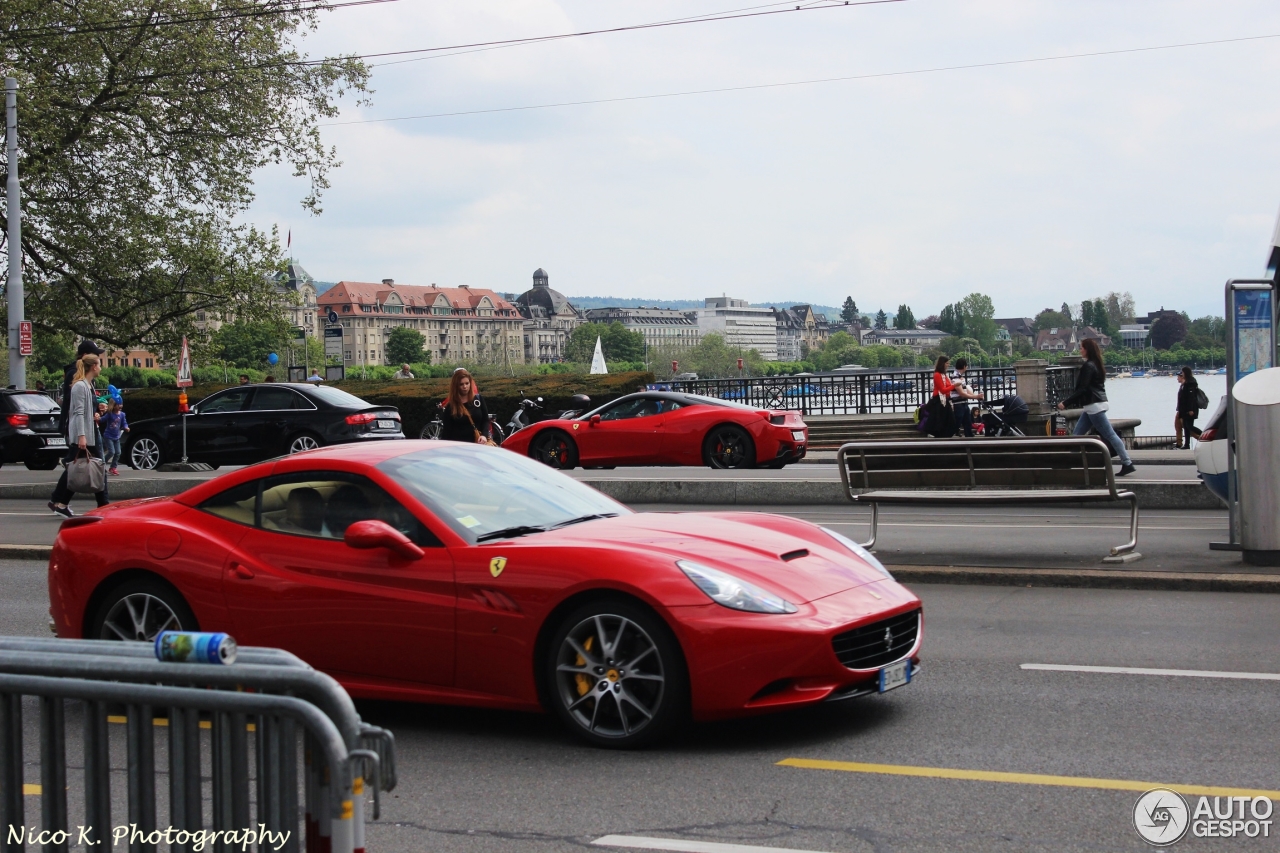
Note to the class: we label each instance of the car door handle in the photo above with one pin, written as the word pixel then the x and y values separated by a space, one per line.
pixel 242 572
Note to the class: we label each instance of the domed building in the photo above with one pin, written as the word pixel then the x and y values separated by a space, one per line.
pixel 549 320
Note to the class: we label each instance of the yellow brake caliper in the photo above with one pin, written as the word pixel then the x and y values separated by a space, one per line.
pixel 583 684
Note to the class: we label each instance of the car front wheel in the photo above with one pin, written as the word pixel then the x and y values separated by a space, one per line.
pixel 145 453
pixel 140 610
pixel 616 676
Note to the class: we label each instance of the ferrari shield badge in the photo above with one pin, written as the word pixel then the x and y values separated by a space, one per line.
pixel 575 426
pixel 496 565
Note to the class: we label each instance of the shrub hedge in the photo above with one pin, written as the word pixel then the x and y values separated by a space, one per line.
pixel 416 398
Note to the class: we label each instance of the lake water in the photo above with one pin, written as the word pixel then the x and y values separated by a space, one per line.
pixel 1155 399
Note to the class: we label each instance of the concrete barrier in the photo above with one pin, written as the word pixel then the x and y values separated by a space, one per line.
pixel 121 488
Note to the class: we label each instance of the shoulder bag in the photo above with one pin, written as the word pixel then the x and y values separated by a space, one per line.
pixel 86 473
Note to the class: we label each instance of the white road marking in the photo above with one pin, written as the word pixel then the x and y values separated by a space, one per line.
pixel 640 842
pixel 1141 670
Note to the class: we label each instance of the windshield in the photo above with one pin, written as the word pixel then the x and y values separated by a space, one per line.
pixel 480 491
pixel 341 399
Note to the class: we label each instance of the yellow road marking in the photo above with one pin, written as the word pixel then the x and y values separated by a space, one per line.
pixel 32 790
pixel 1021 778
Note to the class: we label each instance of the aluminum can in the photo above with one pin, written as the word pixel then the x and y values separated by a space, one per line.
pixel 193 647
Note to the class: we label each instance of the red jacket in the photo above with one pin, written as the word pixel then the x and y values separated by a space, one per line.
pixel 942 385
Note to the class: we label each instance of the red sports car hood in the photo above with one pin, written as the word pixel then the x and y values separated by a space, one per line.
pixel 751 546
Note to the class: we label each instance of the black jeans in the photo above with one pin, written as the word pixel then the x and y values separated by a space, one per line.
pixel 63 495
pixel 964 418
pixel 1189 430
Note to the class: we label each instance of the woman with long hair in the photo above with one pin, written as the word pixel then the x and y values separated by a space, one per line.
pixel 463 411
pixel 1184 421
pixel 1091 395
pixel 941 420
pixel 82 433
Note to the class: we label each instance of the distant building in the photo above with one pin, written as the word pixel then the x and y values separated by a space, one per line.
pixel 1150 319
pixel 741 325
pixel 661 327
pixel 1068 340
pixel 1018 327
pixel 549 321
pixel 815 328
pixel 1134 335
pixel 918 340
pixel 459 323
pixel 789 333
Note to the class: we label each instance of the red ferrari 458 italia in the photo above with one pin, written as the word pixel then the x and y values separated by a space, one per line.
pixel 455 573
pixel 667 428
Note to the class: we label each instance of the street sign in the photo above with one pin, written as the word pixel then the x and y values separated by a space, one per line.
pixel 299 333
pixel 184 370
pixel 1250 327
pixel 333 316
pixel 24 337
pixel 333 342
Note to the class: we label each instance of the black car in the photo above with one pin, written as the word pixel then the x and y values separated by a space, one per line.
pixel 30 429
pixel 250 423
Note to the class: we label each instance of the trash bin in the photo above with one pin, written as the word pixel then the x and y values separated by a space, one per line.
pixel 1256 416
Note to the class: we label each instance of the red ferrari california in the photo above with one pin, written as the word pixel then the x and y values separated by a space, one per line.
pixel 454 573
pixel 667 428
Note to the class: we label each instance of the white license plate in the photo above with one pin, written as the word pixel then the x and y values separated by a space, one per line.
pixel 895 675
pixel 386 424
pixel 797 434
pixel 55 442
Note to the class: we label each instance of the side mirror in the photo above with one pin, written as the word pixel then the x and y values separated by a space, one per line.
pixel 595 420
pixel 378 534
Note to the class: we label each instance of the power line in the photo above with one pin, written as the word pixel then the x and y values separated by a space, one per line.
pixel 994 64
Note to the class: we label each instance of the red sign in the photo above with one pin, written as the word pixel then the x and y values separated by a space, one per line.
pixel 184 368
pixel 24 337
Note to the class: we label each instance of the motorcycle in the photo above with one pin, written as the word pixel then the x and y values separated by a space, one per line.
pixel 524 414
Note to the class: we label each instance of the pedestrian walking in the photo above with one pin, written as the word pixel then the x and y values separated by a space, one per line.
pixel 960 395
pixel 403 373
pixel 1091 395
pixel 81 434
pixel 87 347
pixel 464 414
pixel 1190 398
pixel 113 425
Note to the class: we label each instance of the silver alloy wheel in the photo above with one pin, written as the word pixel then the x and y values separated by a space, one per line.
pixel 145 454
pixel 609 676
pixel 138 616
pixel 303 442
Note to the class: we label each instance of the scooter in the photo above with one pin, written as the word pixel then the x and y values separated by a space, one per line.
pixel 523 415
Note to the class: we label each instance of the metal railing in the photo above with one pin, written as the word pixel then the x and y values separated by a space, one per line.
pixel 869 392
pixel 263 715
pixel 1059 383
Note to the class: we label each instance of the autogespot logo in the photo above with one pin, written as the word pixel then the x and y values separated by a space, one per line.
pixel 1161 816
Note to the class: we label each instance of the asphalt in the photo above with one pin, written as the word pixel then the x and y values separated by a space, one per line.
pixel 474 781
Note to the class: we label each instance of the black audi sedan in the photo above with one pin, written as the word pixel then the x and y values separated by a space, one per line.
pixel 30 429
pixel 250 423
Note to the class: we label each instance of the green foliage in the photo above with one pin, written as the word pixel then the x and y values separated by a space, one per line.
pixel 904 319
pixel 979 312
pixel 1050 319
pixel 51 351
pixel 714 358
pixel 405 346
pixel 882 319
pixel 849 311
pixel 1205 333
pixel 1168 331
pixel 244 343
pixel 618 343
pixel 140 143
pixel 951 321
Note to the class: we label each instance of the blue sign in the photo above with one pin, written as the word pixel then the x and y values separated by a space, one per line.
pixel 1251 328
pixel 333 316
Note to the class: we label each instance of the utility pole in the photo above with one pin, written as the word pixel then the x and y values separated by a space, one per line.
pixel 13 197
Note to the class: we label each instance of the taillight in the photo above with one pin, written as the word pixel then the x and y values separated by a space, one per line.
pixel 19 420
pixel 361 418
pixel 1209 434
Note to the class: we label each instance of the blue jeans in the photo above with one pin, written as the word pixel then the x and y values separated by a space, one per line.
pixel 1105 431
pixel 111 451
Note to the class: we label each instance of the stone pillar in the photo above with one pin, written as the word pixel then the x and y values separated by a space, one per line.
pixel 1032 380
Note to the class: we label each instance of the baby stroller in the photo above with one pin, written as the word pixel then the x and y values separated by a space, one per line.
pixel 1012 411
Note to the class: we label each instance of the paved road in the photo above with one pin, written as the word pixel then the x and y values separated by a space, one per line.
pixel 496 782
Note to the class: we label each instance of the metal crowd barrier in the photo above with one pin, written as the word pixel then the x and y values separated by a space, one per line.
pixel 257 710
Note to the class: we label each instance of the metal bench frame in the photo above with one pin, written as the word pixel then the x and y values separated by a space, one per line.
pixel 856 474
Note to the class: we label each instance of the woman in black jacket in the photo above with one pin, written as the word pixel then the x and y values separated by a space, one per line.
pixel 1184 422
pixel 464 414
pixel 1091 395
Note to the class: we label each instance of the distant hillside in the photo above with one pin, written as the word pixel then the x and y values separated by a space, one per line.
pixel 322 286
pixel 586 302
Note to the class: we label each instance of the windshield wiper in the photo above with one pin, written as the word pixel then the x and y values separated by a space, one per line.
pixel 583 518
pixel 511 532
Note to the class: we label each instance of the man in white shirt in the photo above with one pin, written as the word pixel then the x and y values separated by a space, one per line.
pixel 960 395
pixel 403 373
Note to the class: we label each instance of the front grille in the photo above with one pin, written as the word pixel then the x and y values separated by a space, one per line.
pixel 866 648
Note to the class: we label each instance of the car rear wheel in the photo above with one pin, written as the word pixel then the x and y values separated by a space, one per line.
pixel 139 610
pixel 728 446
pixel 145 453
pixel 556 449
pixel 616 676
pixel 304 441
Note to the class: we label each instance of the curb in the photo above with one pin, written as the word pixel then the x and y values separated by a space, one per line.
pixel 1088 578
pixel 25 552
pixel 121 489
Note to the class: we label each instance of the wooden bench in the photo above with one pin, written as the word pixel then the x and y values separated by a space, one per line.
pixel 984 471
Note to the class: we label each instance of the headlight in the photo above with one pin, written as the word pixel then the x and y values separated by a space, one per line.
pixel 859 550
pixel 724 588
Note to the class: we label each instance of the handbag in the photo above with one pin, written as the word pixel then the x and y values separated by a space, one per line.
pixel 86 473
pixel 1202 399
pixel 487 440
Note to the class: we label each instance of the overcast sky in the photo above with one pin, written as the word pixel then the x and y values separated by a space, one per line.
pixel 1156 172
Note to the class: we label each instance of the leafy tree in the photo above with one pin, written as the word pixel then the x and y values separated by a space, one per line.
pixel 714 358
pixel 882 319
pixel 933 321
pixel 1086 314
pixel 849 311
pixel 405 346
pixel 1119 308
pixel 1050 319
pixel 142 126
pixel 904 319
pixel 1066 312
pixel 1167 331
pixel 246 344
pixel 951 320
pixel 618 343
pixel 979 322
pixel 1205 333
pixel 51 351
pixel 1101 319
